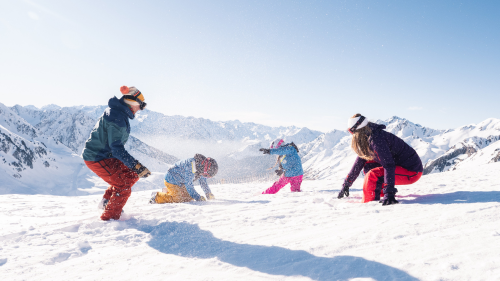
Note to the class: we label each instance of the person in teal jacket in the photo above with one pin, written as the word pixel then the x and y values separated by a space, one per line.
pixel 104 152
pixel 290 166
pixel 179 180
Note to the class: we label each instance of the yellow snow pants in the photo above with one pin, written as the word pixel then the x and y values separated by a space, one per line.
pixel 173 194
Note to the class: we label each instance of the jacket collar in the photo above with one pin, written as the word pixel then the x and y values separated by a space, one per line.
pixel 376 127
pixel 120 105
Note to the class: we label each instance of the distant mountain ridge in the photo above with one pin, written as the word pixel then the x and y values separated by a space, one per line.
pixel 330 155
pixel 32 140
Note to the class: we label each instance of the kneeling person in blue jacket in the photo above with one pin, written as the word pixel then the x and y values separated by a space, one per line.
pixel 179 181
pixel 290 166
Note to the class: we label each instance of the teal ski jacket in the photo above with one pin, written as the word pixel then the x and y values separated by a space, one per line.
pixel 183 173
pixel 110 134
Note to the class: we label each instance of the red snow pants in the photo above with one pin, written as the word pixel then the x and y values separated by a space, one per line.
pixel 375 178
pixel 121 179
pixel 294 184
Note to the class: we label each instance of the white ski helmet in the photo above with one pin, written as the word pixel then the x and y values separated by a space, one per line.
pixel 276 143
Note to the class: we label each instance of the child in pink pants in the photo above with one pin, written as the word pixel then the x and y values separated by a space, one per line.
pixel 293 181
pixel 290 166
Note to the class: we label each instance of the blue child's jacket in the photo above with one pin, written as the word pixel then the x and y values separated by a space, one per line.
pixel 291 162
pixel 183 173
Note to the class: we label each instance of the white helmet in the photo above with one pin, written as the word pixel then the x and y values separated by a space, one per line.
pixel 276 143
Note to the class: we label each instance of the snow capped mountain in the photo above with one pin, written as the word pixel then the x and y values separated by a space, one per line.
pixel 329 156
pixel 152 123
pixel 403 128
pixel 454 146
pixel 234 144
pixel 72 126
pixel 487 155
pixel 34 163
pixel 184 136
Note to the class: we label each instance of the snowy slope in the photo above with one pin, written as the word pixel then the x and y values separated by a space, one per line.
pixel 487 155
pixel 35 163
pixel 446 228
pixel 461 143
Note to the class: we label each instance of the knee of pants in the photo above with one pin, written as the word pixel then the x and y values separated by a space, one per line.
pixel 123 192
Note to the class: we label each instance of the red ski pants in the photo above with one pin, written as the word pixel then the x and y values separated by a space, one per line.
pixel 375 178
pixel 121 179
pixel 294 184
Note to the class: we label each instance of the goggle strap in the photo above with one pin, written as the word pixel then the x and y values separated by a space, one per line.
pixel 133 97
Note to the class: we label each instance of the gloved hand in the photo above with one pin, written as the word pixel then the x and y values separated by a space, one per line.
pixel 141 171
pixel 265 150
pixel 344 191
pixel 389 196
pixel 210 196
pixel 278 172
pixel 202 199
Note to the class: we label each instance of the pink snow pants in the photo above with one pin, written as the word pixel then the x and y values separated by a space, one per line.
pixel 293 181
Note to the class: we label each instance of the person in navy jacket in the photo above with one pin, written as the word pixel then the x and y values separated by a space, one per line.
pixel 386 160
pixel 290 166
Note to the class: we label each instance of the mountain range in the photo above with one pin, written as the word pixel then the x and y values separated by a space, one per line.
pixel 40 147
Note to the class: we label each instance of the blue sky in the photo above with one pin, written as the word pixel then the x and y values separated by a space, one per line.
pixel 304 63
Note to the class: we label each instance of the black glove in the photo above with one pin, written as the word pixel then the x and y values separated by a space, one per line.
pixel 389 196
pixel 265 150
pixel 141 171
pixel 344 191
pixel 278 172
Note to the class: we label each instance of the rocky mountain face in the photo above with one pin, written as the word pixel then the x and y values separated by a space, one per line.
pixel 31 162
pixel 464 143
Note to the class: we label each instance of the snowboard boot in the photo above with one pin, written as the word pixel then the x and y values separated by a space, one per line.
pixel 102 204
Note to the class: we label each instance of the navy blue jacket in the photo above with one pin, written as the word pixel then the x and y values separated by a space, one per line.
pixel 390 151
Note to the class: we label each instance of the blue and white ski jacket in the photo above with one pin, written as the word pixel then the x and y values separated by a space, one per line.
pixel 291 162
pixel 183 173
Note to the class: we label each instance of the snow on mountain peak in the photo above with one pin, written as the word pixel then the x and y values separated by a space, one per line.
pixel 51 107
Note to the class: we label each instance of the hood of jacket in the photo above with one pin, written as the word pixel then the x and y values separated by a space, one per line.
pixel 120 105
pixel 376 127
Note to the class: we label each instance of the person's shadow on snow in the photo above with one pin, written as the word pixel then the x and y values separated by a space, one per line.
pixel 188 240
pixel 458 197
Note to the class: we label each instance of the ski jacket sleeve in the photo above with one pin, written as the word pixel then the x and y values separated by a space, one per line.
pixel 117 147
pixel 355 170
pixel 204 185
pixel 384 155
pixel 188 181
pixel 282 150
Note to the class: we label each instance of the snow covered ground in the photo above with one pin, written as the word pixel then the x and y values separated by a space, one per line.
pixel 447 227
